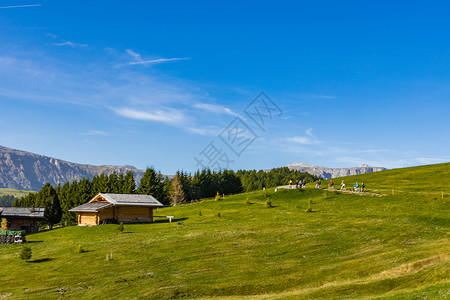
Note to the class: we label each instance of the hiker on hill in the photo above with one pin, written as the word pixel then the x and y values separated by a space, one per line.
pixel 304 183
pixel 331 184
pixel 296 183
pixel 318 184
pixel 356 188
pixel 342 185
pixel 363 186
pixel 290 184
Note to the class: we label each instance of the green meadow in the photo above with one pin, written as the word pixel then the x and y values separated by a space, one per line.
pixel 15 193
pixel 351 246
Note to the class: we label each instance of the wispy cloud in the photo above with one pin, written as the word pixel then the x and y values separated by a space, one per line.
pixel 208 131
pixel 20 6
pixel 303 140
pixel 157 61
pixel 70 44
pixel 169 116
pixel 214 108
pixel 310 139
pixel 139 61
pixel 95 132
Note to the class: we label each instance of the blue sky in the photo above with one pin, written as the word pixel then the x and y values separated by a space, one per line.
pixel 167 83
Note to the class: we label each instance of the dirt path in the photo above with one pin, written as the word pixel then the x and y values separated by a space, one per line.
pixel 337 190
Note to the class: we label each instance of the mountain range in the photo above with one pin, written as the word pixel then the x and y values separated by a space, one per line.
pixel 328 173
pixel 21 170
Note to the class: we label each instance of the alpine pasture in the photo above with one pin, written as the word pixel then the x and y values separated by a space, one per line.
pixel 390 245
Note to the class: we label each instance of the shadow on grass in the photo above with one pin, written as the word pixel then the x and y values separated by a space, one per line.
pixel 36 261
pixel 31 242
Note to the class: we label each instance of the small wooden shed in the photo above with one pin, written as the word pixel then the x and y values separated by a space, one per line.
pixel 22 218
pixel 126 208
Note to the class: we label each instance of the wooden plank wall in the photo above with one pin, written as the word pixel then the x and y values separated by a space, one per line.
pixel 88 218
pixel 125 214
pixel 129 214
pixel 17 223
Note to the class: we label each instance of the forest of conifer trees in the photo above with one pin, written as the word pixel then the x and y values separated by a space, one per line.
pixel 184 187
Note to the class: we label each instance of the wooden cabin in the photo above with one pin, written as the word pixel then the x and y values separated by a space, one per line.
pixel 126 208
pixel 22 218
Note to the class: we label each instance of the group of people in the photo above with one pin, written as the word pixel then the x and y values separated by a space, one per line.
pixel 298 183
pixel 356 188
pixel 302 183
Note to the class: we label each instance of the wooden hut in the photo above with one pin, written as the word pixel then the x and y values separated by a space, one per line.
pixel 22 218
pixel 126 208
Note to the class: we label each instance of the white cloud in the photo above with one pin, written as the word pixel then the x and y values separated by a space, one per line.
pixel 210 131
pixel 139 61
pixel 170 116
pixel 214 108
pixel 156 61
pixel 136 56
pixel 310 139
pixel 95 132
pixel 302 140
pixel 70 44
pixel 20 6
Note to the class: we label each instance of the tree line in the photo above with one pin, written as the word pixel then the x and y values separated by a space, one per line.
pixel 183 187
pixel 7 200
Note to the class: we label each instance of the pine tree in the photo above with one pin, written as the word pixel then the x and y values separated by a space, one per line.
pixel 26 253
pixel 113 183
pixel 149 183
pixel 99 184
pixel 67 202
pixel 129 185
pixel 48 198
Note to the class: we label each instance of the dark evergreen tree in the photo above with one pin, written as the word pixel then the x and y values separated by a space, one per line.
pixel 48 198
pixel 114 184
pixel 149 183
pixel 99 184
pixel 7 200
pixel 82 192
pixel 66 200
pixel 129 185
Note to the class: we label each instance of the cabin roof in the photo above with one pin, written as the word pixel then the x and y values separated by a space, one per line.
pixel 91 207
pixel 130 199
pixel 22 212
pixel 115 200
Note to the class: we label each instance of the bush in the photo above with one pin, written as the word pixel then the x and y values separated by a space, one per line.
pixel 247 201
pixel 26 253
pixel 200 213
pixel 219 215
pixel 217 198
pixel 121 227
pixel 79 249
pixel 309 209
pixel 268 204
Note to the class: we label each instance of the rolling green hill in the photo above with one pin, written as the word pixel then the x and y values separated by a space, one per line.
pixel 424 179
pixel 351 246
pixel 15 193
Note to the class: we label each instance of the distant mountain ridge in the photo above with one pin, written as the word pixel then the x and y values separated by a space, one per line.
pixel 328 173
pixel 23 170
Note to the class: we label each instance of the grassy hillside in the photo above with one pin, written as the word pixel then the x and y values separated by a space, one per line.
pixel 15 193
pixel 423 179
pixel 349 247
